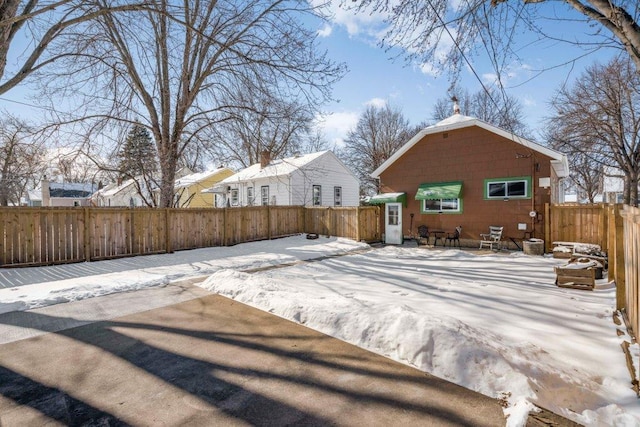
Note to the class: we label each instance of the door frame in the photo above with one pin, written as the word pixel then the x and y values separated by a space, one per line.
pixel 393 232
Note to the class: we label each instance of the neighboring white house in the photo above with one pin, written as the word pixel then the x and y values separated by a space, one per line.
pixel 124 194
pixel 316 179
pixel 60 194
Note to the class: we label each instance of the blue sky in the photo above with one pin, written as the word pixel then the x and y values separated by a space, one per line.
pixel 375 78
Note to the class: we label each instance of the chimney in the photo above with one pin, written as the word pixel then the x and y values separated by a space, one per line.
pixel 456 107
pixel 265 158
pixel 46 194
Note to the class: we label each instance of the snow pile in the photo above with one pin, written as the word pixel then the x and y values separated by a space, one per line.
pixel 494 324
pixel 255 255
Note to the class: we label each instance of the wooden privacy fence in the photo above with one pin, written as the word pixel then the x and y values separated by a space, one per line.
pixel 631 225
pixel 39 236
pixel 577 223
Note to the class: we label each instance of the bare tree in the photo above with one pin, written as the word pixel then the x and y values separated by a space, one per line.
pixel 380 131
pixel 426 28
pixel 261 123
pixel 178 70
pixel 587 167
pixel 599 116
pixel 21 160
pixel 488 106
pixel 46 23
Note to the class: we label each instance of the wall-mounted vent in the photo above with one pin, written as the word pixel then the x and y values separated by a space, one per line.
pixel 445 135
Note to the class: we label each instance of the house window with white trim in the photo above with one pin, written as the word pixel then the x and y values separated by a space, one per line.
pixel 508 188
pixel 337 196
pixel 249 196
pixel 234 197
pixel 316 195
pixel 264 195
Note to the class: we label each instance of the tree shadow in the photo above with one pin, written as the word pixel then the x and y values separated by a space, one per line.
pixel 207 379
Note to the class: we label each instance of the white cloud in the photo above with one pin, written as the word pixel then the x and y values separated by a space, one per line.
pixel 335 126
pixel 376 102
pixel 345 16
pixel 528 101
pixel 325 31
pixel 429 70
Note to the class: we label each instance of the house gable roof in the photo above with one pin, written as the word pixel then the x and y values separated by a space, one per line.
pixel 276 168
pixel 559 161
pixel 194 178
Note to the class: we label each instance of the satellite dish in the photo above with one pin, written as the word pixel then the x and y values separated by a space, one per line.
pixel 533 214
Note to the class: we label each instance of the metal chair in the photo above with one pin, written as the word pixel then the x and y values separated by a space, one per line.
pixel 423 233
pixel 454 237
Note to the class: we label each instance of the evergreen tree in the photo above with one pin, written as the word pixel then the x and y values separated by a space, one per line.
pixel 137 155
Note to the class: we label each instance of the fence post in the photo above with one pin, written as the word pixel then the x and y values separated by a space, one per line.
pixel 547 227
pixel 619 267
pixel 269 234
pixel 224 226
pixel 357 223
pixel 87 235
pixel 167 234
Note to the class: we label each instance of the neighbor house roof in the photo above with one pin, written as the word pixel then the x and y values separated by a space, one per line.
pixel 559 161
pixel 71 189
pixel 280 167
pixel 113 189
pixel 194 178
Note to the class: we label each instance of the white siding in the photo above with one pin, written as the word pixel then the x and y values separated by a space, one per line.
pixel 296 189
pixel 328 172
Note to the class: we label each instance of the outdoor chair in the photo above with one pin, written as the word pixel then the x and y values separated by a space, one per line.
pixel 492 238
pixel 454 237
pixel 423 233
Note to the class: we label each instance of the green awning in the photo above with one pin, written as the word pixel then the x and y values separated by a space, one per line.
pixel 439 190
pixel 380 199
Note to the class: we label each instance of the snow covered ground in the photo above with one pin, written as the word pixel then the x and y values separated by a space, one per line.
pixel 494 323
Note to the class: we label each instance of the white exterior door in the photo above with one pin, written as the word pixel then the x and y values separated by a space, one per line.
pixel 393 223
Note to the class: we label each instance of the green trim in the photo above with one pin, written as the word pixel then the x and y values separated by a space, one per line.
pixel 439 190
pixel 381 199
pixel 528 188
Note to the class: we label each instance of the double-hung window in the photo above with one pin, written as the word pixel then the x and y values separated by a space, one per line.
pixel 249 196
pixel 316 195
pixel 337 196
pixel 234 197
pixel 440 197
pixel 508 188
pixel 264 195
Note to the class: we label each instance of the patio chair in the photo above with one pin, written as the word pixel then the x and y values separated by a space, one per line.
pixel 423 233
pixel 492 238
pixel 454 237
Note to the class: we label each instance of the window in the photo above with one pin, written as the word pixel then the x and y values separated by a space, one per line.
pixel 441 205
pixel 249 196
pixel 264 195
pixel 517 188
pixel 337 196
pixel 234 197
pixel 317 195
pixel 393 214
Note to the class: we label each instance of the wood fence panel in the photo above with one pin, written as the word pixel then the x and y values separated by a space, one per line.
pixel 37 236
pixel 195 228
pixel 344 222
pixel 317 220
pixel 369 224
pixel 631 216
pixel 285 220
pixel 578 223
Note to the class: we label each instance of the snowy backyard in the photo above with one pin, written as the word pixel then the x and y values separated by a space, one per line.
pixel 492 322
